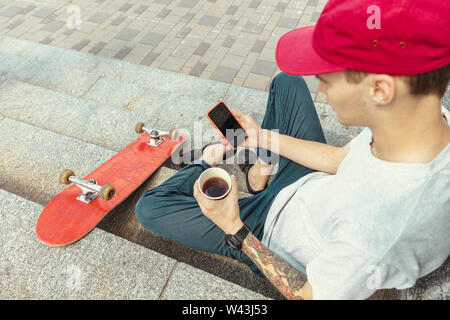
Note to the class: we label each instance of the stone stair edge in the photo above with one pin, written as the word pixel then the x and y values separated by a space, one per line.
pixel 172 171
pixel 131 264
pixel 240 97
pixel 331 128
pixel 60 103
pixel 44 47
pixel 58 148
pixel 221 93
pixel 235 96
pixel 43 52
pixel 48 180
pixel 44 104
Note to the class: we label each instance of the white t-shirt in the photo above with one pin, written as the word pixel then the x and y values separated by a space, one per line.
pixel 374 224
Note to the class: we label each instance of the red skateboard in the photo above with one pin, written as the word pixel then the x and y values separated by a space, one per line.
pixel 75 211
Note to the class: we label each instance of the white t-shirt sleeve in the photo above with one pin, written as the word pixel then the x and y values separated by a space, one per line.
pixel 344 272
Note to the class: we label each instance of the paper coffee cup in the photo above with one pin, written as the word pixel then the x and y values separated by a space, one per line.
pixel 214 183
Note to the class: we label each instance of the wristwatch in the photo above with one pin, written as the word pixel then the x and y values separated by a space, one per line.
pixel 235 240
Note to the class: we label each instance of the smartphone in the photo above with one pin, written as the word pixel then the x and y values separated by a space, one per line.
pixel 224 121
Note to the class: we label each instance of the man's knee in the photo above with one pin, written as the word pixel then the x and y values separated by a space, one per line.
pixel 287 81
pixel 146 212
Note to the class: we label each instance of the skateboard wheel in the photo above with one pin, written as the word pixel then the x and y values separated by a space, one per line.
pixel 173 134
pixel 64 176
pixel 107 192
pixel 138 127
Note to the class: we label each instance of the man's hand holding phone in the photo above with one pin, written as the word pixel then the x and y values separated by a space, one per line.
pixel 251 128
pixel 235 129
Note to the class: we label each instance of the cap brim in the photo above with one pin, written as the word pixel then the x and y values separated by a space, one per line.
pixel 295 54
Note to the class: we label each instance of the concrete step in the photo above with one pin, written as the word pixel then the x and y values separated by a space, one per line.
pixel 180 110
pixel 28 52
pixel 82 119
pixel 106 123
pixel 57 76
pixel 31 159
pixel 109 101
pixel 178 100
pixel 142 77
pixel 101 266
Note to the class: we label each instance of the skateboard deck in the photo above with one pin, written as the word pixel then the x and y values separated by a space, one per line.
pixel 66 219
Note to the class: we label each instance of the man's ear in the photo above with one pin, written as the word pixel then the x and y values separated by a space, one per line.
pixel 382 88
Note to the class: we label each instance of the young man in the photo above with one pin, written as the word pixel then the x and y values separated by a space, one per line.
pixel 337 222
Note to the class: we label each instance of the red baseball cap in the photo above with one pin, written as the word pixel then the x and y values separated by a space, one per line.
pixel 403 37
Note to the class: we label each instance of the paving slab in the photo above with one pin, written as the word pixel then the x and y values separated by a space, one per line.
pixel 15 48
pixel 89 269
pixel 28 49
pixel 10 62
pixel 43 12
pixel 224 74
pixel 196 18
pixel 83 119
pixel 56 77
pixel 148 77
pixel 152 39
pixel 11 12
pixel 99 124
pixel 189 283
pixel 53 26
pixel 127 34
pixel 99 18
pixel 31 159
pixel 250 101
pixel 115 93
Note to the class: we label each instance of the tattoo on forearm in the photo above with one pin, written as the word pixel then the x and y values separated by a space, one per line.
pixel 288 280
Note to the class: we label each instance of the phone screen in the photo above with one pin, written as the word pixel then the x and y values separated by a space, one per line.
pixel 227 124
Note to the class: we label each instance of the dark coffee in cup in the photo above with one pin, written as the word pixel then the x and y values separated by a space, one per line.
pixel 215 187
pixel 214 183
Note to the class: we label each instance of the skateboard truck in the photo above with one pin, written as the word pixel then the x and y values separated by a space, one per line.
pixel 155 135
pixel 90 188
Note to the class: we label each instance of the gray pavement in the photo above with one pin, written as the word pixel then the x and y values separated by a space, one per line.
pixel 228 41
pixel 100 266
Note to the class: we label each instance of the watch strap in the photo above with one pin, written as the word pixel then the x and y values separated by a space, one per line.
pixel 235 240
